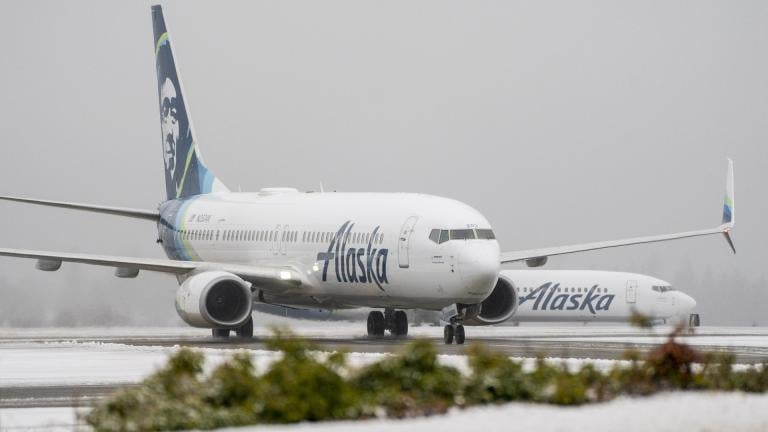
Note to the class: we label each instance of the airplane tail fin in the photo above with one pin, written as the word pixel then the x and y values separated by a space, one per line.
pixel 185 173
pixel 729 209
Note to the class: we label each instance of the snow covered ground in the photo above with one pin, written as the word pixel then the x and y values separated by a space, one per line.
pixel 64 356
pixel 45 357
pixel 673 412
pixel 78 363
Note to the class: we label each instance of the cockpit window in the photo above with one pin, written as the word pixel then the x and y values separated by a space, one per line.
pixel 662 288
pixel 462 234
pixel 441 236
pixel 486 234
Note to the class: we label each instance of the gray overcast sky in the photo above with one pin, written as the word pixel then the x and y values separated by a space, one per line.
pixel 561 121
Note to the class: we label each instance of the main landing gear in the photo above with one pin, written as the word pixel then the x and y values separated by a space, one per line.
pixel 394 321
pixel 454 331
pixel 244 331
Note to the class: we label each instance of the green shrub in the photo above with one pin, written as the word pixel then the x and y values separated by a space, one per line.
pixel 300 388
pixel 670 365
pixel 495 378
pixel 411 383
pixel 570 389
pixel 169 399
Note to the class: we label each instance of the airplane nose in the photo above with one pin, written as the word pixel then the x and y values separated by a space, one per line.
pixel 479 266
pixel 686 302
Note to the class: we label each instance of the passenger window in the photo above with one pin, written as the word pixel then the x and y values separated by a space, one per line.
pixel 434 235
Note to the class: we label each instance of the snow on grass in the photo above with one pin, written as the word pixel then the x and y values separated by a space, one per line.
pixel 673 412
pixel 39 419
pixel 76 363
pixel 64 356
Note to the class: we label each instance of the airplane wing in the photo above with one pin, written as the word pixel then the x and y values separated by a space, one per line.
pixel 117 211
pixel 51 261
pixel 538 257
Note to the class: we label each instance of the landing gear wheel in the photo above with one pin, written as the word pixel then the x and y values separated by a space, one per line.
pixel 246 330
pixel 448 334
pixel 459 333
pixel 220 333
pixel 400 327
pixel 376 324
pixel 694 320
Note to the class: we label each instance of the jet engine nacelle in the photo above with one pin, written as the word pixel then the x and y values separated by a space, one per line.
pixel 214 299
pixel 497 307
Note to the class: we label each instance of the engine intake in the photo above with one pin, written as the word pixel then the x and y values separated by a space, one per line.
pixel 214 299
pixel 497 307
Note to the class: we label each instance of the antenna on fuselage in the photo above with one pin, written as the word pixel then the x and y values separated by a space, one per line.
pixel 322 189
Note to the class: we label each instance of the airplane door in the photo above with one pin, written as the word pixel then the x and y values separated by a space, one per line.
pixel 631 291
pixel 404 242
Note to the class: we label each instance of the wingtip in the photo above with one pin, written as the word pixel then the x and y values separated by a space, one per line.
pixel 727 235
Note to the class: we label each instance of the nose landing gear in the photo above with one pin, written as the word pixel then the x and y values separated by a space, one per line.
pixel 454 331
pixel 394 321
pixel 694 320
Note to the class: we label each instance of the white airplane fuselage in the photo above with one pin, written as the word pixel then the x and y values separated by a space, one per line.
pixel 351 249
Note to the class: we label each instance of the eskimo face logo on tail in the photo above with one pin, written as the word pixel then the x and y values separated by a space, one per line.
pixel 169 124
pixel 366 264
pixel 549 297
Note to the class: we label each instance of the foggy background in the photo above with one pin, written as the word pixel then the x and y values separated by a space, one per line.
pixel 562 122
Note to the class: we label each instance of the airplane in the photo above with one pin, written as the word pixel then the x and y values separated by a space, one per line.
pixel 327 250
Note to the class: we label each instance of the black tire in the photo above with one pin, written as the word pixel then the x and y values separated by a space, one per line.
pixel 459 333
pixel 376 324
pixel 220 333
pixel 245 330
pixel 448 334
pixel 401 324
pixel 694 320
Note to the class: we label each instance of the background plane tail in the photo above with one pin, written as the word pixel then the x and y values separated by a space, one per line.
pixel 185 173
pixel 729 207
pixel 729 214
